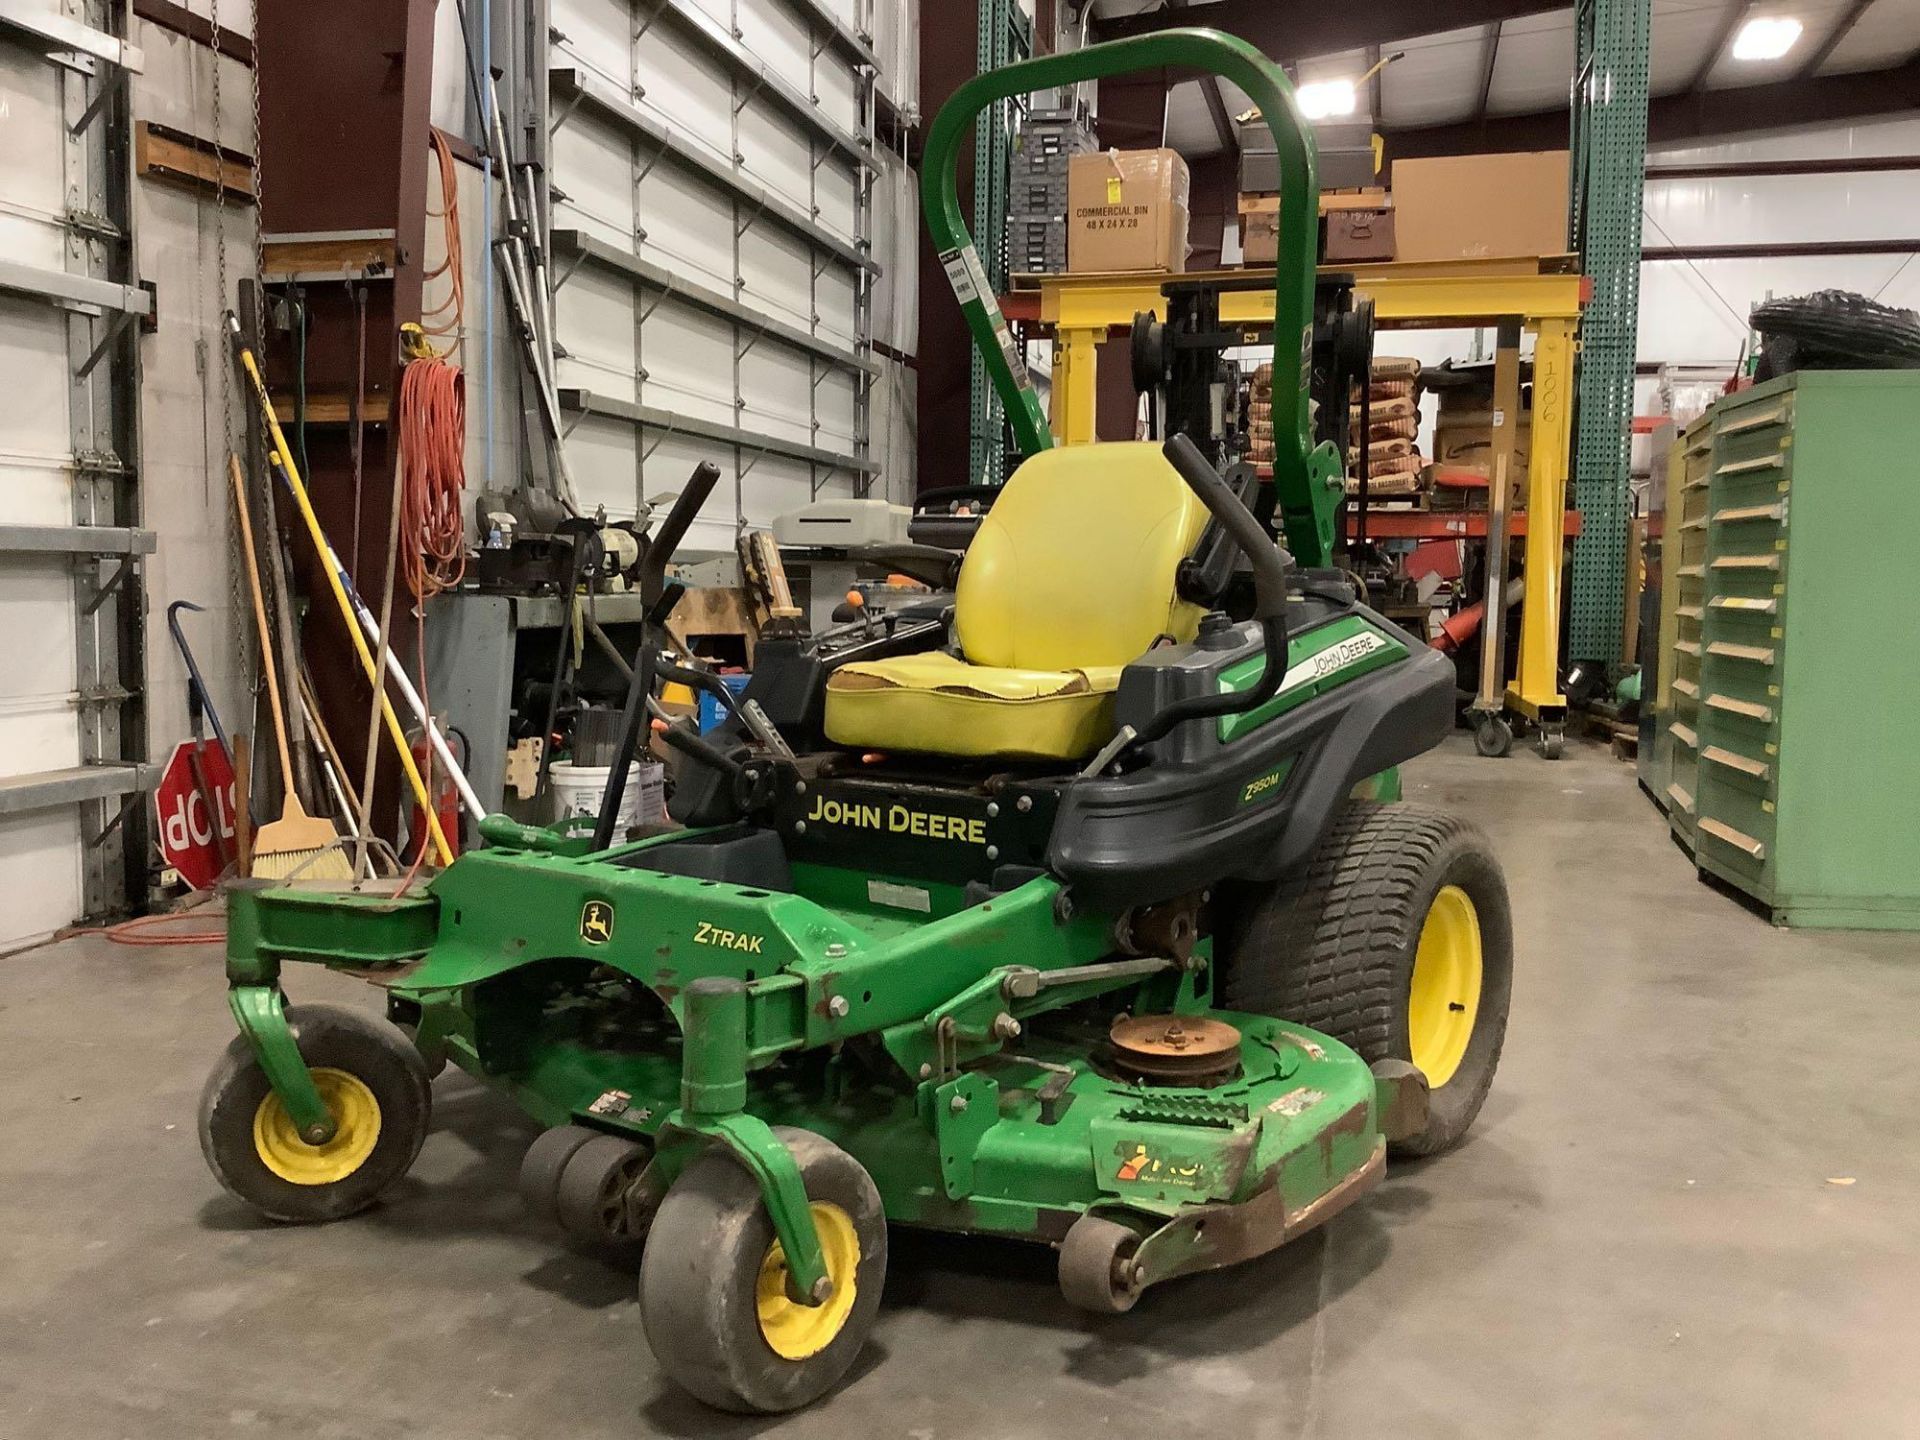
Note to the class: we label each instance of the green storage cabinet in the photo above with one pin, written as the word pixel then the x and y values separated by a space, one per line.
pixel 1806 769
pixel 1683 584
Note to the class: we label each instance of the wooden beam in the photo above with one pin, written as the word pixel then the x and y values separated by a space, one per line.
pixel 192 163
pixel 1841 29
pixel 332 408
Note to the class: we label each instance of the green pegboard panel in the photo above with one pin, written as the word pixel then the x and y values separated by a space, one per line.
pixel 1609 145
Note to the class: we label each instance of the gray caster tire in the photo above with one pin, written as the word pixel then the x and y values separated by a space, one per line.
pixel 711 1294
pixel 541 1168
pixel 1493 737
pixel 1096 1266
pixel 591 1200
pixel 1553 742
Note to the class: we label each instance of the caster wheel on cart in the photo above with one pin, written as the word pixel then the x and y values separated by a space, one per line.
pixel 1096 1266
pixel 713 1293
pixel 1553 742
pixel 376 1088
pixel 1492 736
pixel 1396 939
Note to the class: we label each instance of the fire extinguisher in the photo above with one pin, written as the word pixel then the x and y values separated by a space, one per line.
pixel 446 798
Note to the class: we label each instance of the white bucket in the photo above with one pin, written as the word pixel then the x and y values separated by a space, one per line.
pixel 577 790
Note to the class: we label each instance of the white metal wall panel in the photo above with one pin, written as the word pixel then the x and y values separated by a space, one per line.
pixel 896 247
pixel 896 44
pixel 624 340
pixel 39 721
pixel 183 436
pixel 1694 312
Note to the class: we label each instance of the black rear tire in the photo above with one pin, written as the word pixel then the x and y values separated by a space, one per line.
pixel 1332 947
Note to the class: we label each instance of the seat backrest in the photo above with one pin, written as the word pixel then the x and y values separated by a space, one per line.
pixel 1074 566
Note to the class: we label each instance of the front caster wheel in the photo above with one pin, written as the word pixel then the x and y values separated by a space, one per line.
pixel 1096 1266
pixel 1553 742
pixel 1493 736
pixel 713 1291
pixel 376 1088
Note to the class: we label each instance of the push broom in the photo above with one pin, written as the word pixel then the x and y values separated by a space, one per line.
pixel 296 843
pixel 290 473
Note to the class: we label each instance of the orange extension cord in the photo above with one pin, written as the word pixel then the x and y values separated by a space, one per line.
pixel 433 438
pixel 453 266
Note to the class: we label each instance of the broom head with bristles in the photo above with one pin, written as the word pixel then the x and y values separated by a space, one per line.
pixel 299 843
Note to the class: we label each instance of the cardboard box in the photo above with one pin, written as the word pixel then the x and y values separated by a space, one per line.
pixel 1463 440
pixel 1127 210
pixel 1356 236
pixel 1259 229
pixel 1472 207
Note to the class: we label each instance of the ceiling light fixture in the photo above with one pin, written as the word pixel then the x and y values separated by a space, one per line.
pixel 1766 37
pixel 1325 98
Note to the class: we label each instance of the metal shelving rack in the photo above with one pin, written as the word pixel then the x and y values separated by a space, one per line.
pixel 101 297
pixel 1609 144
pixel 1004 35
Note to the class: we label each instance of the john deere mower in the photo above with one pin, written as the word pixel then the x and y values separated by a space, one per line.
pixel 1087 918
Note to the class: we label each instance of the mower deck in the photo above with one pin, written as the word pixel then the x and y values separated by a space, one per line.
pixel 574 1004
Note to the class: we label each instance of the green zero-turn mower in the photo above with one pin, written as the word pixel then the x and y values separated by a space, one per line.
pixel 1093 925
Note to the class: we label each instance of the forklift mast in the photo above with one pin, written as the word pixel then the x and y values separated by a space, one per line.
pixel 1307 477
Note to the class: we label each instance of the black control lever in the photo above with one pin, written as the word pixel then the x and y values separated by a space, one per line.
pixel 1270 565
pixel 653 584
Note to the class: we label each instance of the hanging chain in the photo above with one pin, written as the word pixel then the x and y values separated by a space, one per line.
pixel 259 228
pixel 240 626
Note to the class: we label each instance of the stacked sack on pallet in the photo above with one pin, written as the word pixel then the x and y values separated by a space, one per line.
pixel 1393 415
pixel 1260 417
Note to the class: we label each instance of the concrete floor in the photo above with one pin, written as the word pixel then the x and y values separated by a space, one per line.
pixel 1643 1236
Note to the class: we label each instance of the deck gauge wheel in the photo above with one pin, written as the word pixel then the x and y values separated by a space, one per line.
pixel 1097 1271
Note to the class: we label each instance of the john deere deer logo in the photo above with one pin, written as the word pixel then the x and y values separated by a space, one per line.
pixel 596 922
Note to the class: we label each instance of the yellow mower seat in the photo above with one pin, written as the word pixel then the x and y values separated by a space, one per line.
pixel 1069 579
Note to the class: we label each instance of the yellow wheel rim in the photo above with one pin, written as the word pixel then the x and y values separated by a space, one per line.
pixel 276 1139
pixel 794 1331
pixel 1445 999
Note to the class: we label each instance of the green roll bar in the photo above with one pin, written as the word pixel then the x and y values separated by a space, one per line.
pixel 1307 479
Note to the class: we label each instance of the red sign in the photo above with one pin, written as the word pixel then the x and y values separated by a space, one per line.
pixel 197 835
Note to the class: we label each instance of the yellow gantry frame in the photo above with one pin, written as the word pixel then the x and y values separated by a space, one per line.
pixel 1083 310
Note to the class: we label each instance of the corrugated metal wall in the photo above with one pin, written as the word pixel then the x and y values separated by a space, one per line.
pixel 711 163
pixel 1694 312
